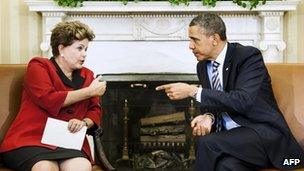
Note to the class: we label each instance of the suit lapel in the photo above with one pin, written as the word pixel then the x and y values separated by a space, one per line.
pixel 205 76
pixel 227 64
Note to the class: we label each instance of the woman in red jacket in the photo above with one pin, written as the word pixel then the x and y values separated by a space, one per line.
pixel 59 88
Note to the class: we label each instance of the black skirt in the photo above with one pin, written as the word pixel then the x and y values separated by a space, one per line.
pixel 24 158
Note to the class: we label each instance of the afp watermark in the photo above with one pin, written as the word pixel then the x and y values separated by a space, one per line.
pixel 291 162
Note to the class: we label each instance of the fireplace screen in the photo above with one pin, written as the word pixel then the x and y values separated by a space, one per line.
pixel 143 128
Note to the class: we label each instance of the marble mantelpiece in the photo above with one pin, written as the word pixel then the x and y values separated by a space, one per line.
pixel 151 37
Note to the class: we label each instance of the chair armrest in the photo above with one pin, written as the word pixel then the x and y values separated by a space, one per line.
pixel 101 156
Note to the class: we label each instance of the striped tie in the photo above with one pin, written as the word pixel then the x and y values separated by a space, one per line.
pixel 216 85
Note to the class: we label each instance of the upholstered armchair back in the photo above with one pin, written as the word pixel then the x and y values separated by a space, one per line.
pixel 288 86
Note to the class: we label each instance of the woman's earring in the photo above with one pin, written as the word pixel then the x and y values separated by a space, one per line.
pixel 61 55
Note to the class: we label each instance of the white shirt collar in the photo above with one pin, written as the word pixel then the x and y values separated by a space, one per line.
pixel 221 58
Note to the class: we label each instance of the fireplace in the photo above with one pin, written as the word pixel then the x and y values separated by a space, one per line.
pixel 140 122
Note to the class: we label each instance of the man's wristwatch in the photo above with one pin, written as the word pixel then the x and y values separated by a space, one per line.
pixel 212 117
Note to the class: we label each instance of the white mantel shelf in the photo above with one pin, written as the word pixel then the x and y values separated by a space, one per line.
pixel 159 6
pixel 152 37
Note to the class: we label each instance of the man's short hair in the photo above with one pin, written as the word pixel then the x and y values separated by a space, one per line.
pixel 211 24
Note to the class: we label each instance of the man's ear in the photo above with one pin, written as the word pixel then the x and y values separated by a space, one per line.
pixel 215 39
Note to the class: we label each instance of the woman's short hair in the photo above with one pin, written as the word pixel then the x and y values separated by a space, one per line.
pixel 67 32
pixel 211 24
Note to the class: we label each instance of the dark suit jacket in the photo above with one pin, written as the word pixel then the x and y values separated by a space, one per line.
pixel 248 98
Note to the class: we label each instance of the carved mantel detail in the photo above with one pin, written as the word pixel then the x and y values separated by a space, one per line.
pixel 272 43
pixel 161 23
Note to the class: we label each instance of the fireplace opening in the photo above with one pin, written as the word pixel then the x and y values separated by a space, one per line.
pixel 143 128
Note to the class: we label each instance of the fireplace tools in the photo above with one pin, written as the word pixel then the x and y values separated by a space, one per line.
pixel 191 150
pixel 125 149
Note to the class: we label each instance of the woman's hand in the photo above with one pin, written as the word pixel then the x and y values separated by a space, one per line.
pixel 75 125
pixel 97 88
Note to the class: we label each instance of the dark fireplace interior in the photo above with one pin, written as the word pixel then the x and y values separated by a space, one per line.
pixel 143 128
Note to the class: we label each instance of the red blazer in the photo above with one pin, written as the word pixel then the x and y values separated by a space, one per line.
pixel 43 95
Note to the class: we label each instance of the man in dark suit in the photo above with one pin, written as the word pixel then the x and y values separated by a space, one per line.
pixel 236 97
